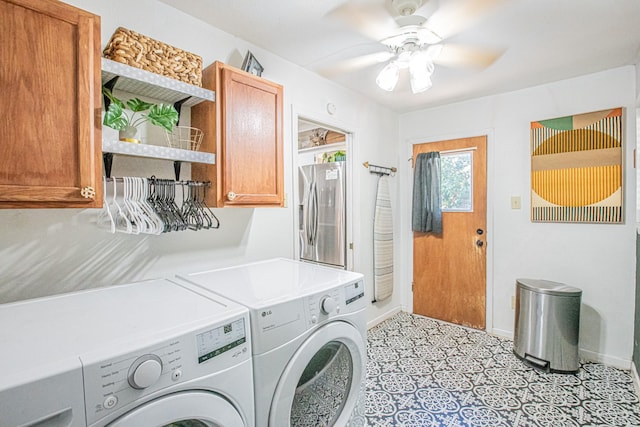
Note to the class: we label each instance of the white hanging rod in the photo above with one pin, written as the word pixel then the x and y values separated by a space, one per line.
pixel 194 183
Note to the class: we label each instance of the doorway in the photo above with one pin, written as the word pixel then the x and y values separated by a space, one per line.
pixel 449 270
pixel 323 156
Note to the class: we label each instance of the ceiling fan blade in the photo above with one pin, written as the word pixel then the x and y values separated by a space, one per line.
pixel 354 64
pixel 371 20
pixel 453 55
pixel 454 16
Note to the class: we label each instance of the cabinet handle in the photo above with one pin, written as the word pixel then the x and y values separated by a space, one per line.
pixel 231 195
pixel 88 193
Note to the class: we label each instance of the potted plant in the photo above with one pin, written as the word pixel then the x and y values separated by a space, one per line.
pixel 117 117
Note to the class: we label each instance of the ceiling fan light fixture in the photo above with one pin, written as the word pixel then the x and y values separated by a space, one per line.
pixel 420 82
pixel 420 69
pixel 420 62
pixel 388 77
pixel 404 59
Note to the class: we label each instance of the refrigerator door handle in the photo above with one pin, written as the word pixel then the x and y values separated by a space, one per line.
pixel 315 214
pixel 308 227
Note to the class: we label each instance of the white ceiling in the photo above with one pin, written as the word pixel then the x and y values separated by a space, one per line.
pixel 541 41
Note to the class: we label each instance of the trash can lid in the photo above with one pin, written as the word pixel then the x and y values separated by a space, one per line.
pixel 548 287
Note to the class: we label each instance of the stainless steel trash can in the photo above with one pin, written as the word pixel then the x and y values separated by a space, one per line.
pixel 547 325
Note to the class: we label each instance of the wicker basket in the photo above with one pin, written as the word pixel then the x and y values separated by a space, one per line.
pixel 137 50
pixel 184 137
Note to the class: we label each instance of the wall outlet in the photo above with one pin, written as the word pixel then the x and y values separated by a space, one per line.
pixel 513 302
pixel 515 202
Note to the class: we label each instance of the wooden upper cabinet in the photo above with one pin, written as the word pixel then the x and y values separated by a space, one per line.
pixel 50 133
pixel 244 128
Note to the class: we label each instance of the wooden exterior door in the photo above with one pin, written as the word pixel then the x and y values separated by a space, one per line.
pixel 449 270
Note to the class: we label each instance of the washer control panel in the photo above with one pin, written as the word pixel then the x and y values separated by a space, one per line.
pixel 115 383
pixel 341 300
pixel 284 321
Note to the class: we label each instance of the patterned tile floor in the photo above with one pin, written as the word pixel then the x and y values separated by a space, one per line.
pixel 422 372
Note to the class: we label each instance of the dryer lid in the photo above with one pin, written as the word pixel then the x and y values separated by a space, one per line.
pixel 273 281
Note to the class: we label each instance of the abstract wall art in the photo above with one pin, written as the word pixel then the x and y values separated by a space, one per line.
pixel 576 168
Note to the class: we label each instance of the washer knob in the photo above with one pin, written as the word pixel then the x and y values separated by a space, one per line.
pixel 145 371
pixel 328 305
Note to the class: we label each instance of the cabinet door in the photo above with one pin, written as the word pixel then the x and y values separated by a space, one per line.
pixel 50 134
pixel 244 128
pixel 252 169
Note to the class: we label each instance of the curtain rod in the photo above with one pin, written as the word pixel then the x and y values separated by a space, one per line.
pixel 457 150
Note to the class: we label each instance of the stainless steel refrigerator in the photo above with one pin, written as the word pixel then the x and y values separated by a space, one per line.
pixel 322 189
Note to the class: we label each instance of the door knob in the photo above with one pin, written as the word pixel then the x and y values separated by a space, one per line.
pixel 479 243
pixel 479 231
pixel 231 195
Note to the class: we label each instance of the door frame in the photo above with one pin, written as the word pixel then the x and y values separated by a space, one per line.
pixel 352 209
pixel 408 233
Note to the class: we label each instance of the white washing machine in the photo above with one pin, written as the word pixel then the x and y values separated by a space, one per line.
pixel 308 327
pixel 147 354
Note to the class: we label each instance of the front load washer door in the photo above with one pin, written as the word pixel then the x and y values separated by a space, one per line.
pixel 183 409
pixel 320 385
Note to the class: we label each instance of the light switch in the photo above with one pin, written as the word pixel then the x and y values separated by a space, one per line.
pixel 515 202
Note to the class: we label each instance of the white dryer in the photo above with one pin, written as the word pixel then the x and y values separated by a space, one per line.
pixel 145 354
pixel 308 327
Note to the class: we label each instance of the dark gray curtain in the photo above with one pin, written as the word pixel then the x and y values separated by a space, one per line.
pixel 426 214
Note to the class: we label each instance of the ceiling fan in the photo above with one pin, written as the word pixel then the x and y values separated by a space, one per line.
pixel 413 41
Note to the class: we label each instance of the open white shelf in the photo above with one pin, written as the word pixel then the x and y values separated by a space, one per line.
pixel 141 82
pixel 157 152
pixel 322 148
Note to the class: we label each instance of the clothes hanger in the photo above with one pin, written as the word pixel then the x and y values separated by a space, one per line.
pixel 122 220
pixel 207 211
pixel 140 197
pixel 105 218
pixel 156 221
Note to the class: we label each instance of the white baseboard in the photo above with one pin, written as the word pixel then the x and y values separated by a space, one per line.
pixel 373 322
pixel 615 362
pixel 502 333
pixel 589 355
pixel 636 379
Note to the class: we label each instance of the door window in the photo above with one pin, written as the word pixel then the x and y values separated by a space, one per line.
pixel 323 387
pixel 456 181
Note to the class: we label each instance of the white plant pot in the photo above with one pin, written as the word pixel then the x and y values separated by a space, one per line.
pixel 128 134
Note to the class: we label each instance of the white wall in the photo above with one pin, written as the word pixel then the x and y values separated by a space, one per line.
pixel 44 252
pixel 599 259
